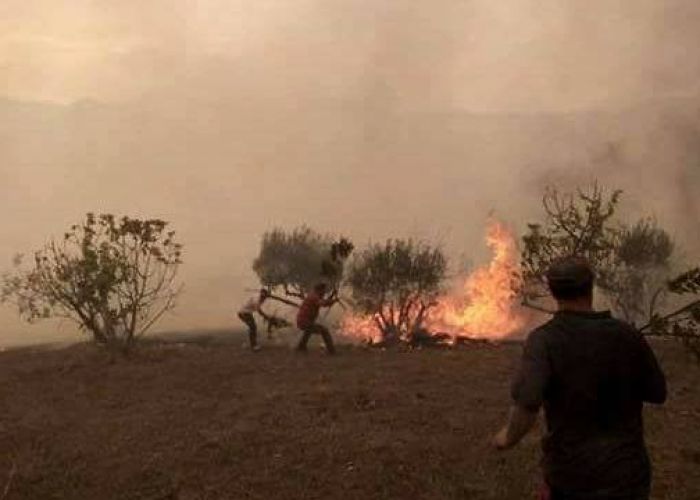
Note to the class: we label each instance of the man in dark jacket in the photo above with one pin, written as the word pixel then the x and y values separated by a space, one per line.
pixel 592 374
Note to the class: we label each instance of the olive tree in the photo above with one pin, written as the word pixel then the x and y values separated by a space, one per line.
pixel 290 263
pixel 115 278
pixel 396 284
pixel 634 278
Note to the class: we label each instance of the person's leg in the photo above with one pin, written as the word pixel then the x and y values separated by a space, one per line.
pixel 555 494
pixel 269 330
pixel 327 339
pixel 249 320
pixel 306 334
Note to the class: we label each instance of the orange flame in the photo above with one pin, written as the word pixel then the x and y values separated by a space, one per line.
pixel 484 306
pixel 360 328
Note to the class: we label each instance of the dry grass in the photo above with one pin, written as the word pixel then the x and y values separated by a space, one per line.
pixel 214 421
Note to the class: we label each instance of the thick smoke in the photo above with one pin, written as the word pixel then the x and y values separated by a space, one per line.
pixel 371 118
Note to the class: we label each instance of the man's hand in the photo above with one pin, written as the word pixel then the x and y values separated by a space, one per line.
pixel 500 440
pixel 519 424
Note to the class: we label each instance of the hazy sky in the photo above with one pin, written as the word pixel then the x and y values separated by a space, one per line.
pixel 472 54
pixel 370 117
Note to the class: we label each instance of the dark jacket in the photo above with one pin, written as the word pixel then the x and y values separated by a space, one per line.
pixel 592 373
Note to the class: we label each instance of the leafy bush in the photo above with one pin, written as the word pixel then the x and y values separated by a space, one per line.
pixel 294 261
pixel 396 284
pixel 114 278
pixel 634 279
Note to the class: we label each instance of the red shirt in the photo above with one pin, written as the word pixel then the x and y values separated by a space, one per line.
pixel 308 312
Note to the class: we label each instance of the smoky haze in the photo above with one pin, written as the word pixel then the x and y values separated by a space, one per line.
pixel 369 118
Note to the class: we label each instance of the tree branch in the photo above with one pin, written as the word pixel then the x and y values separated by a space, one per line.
pixel 283 300
pixel 680 312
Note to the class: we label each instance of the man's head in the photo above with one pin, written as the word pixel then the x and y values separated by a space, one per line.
pixel 320 289
pixel 570 280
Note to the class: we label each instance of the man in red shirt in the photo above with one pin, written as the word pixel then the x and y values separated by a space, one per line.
pixel 308 314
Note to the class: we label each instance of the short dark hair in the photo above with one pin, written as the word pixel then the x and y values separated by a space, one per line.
pixel 570 278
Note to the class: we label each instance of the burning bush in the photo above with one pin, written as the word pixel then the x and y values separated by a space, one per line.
pixel 481 305
pixel 484 304
pixel 393 287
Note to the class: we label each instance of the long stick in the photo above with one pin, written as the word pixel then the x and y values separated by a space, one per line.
pixel 10 477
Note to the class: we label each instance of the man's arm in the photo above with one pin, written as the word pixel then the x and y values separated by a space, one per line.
pixel 653 379
pixel 331 300
pixel 520 422
pixel 527 391
pixel 259 309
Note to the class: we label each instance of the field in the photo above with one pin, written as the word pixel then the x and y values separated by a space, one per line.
pixel 210 420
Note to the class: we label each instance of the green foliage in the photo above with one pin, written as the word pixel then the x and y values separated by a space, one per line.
pixel 396 283
pixel 296 260
pixel 644 245
pixel 114 278
pixel 634 278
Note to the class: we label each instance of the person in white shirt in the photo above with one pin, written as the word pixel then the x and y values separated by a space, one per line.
pixel 246 314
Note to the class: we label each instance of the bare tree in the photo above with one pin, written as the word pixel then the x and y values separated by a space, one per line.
pixel 634 265
pixel 575 224
pixel 396 284
pixel 113 278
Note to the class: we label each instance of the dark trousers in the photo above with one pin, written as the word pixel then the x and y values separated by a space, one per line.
pixel 320 330
pixel 560 495
pixel 249 320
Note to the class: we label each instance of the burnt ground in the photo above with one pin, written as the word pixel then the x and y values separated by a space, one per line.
pixel 214 421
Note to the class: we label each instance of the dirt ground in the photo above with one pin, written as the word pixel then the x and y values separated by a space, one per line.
pixel 215 421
